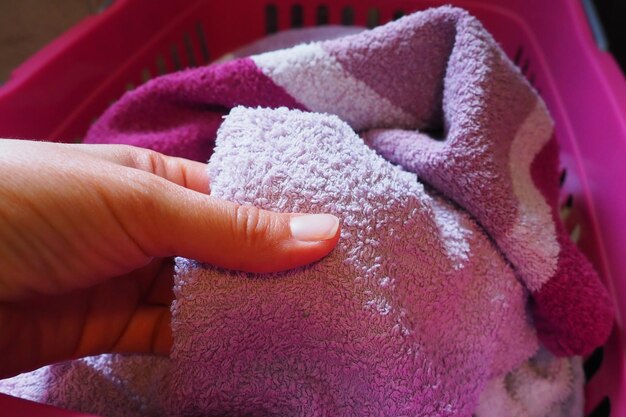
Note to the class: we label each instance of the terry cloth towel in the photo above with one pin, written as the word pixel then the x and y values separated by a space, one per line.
pixel 434 70
pixel 544 386
pixel 411 314
pixel 414 313
pixel 137 386
pixel 440 303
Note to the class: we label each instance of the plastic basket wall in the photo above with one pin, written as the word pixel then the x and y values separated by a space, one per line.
pixel 58 93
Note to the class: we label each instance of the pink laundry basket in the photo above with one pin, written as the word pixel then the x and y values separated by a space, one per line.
pixel 58 93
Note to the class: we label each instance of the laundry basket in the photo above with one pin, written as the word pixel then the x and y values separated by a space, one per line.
pixel 61 90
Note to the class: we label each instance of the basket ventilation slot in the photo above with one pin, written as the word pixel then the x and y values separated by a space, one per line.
pixel 322 15
pixel 271 18
pixel 593 363
pixel 373 18
pixel 603 409
pixel 347 16
pixel 566 206
pixel 160 65
pixel 297 16
pixel 191 58
pixel 562 177
pixel 204 47
pixel 145 75
pixel 523 63
pixel 175 55
pixel 398 14
pixel 566 209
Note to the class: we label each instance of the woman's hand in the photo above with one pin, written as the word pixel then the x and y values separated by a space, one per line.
pixel 87 233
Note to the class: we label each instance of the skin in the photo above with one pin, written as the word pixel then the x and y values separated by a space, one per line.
pixel 87 236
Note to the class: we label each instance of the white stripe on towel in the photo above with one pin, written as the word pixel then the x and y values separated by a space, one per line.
pixel 319 82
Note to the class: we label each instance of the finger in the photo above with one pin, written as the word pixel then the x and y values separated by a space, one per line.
pixel 180 171
pixel 236 237
pixel 189 174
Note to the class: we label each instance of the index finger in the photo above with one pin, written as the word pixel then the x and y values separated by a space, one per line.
pixel 183 172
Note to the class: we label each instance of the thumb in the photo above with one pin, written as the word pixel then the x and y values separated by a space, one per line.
pixel 243 238
pixel 191 224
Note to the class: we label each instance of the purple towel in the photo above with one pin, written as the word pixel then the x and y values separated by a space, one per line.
pixel 411 314
pixel 414 313
pixel 424 302
pixel 437 69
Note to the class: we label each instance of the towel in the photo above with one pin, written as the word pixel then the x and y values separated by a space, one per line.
pixel 104 385
pixel 434 71
pixel 432 320
pixel 544 386
pixel 412 313
pixel 136 386
pixel 425 302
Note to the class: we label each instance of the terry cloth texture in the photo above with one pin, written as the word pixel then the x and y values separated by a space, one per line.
pixel 434 70
pixel 414 313
pixel 411 314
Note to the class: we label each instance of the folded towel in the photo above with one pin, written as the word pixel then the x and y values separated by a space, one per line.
pixel 418 310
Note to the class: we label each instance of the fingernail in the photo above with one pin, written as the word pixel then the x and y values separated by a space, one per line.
pixel 314 227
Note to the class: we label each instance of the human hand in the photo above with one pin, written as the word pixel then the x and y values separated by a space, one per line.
pixel 87 233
